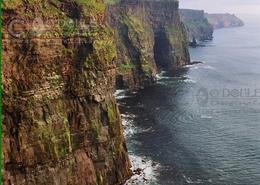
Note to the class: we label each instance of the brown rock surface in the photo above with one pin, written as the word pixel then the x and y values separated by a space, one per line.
pixel 61 124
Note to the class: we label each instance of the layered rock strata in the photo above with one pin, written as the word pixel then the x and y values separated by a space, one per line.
pixel 61 61
pixel 61 124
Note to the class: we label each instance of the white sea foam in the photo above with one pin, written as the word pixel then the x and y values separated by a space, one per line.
pixel 120 94
pixel 161 76
pixel 190 181
pixel 169 77
pixel 200 66
pixel 145 171
pixel 208 67
pixel 129 128
pixel 190 81
pixel 188 66
pixel 143 168
pixel 119 91
pixel 206 117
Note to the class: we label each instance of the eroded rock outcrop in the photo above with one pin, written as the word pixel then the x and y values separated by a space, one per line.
pixel 61 124
pixel 196 24
pixel 149 36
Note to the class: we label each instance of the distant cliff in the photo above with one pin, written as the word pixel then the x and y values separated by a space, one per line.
pixel 224 20
pixel 149 36
pixel 196 24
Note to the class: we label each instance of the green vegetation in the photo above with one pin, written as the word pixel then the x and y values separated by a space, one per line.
pixel 92 7
pixel 68 27
pixel 177 39
pixel 139 36
pixel 175 35
pixel 105 46
pixel 194 25
pixel 54 133
pixel 134 23
pixel 11 4
pixel 53 140
pixel 99 179
pixel 95 130
pixel 111 113
pixel 127 65
pixel 136 30
pixel 111 2
pixel 125 68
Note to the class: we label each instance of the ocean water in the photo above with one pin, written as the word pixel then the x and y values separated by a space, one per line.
pixel 202 124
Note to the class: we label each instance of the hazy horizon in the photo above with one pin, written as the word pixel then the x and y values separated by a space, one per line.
pixel 223 6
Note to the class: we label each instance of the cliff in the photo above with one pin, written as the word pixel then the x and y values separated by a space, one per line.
pixel 61 124
pixel 149 37
pixel 61 61
pixel 224 20
pixel 196 24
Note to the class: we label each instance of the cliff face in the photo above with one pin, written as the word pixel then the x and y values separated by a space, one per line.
pixel 149 36
pixel 196 24
pixel 224 20
pixel 61 124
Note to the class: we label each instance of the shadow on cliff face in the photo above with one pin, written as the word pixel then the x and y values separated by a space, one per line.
pixel 161 49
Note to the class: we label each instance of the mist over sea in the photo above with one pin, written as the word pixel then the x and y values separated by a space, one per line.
pixel 202 124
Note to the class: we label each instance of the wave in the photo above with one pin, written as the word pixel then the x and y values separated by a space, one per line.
pixel 190 181
pixel 119 91
pixel 120 94
pixel 129 128
pixel 206 117
pixel 144 169
pixel 161 76
pixel 202 67
pixel 190 81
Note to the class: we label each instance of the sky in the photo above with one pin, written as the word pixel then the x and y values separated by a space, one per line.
pixel 223 6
